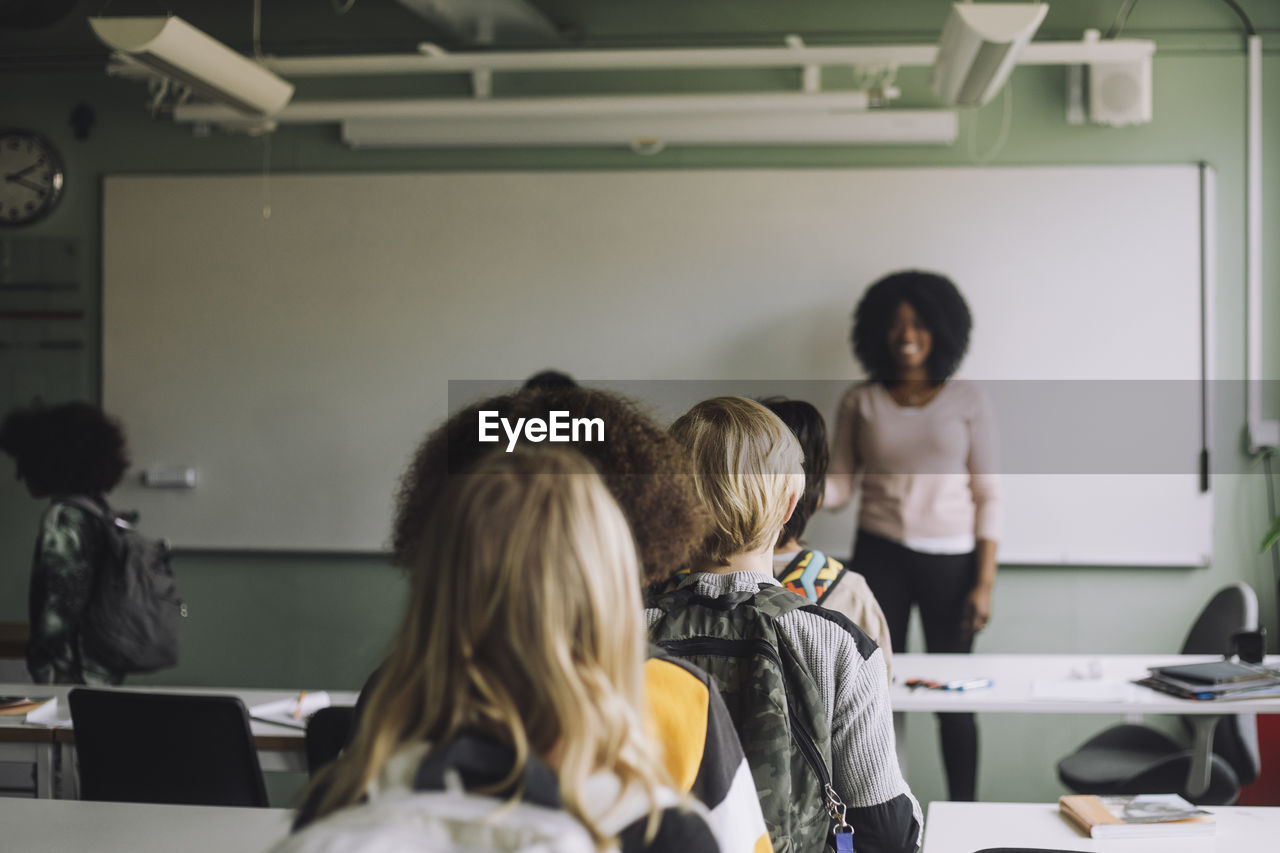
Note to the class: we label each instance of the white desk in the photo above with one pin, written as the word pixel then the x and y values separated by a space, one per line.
pixel 25 744
pixel 67 826
pixel 967 827
pixel 280 748
pixel 1015 680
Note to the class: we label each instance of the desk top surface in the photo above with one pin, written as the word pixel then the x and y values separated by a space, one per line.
pixel 966 827
pixel 57 826
pixel 1054 684
pixel 269 735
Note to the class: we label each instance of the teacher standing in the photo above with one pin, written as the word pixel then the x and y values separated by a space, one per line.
pixel 921 448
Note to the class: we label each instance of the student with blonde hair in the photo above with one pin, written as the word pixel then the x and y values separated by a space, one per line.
pixel 517 672
pixel 806 687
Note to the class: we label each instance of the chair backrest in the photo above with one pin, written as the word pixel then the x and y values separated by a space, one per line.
pixel 139 747
pixel 328 732
pixel 1232 608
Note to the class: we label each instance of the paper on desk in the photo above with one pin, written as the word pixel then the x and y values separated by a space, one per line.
pixel 1078 690
pixel 47 715
pixel 290 712
pixel 20 706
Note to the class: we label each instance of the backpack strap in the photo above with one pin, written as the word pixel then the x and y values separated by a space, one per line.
pixel 482 762
pixel 111 524
pixel 812 574
pixel 92 507
pixel 777 601
pixel 99 509
pixel 772 600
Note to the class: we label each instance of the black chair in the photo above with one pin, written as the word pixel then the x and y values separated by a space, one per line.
pixel 1135 759
pixel 171 748
pixel 328 733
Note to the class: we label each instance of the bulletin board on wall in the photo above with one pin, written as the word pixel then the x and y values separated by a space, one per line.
pixel 296 361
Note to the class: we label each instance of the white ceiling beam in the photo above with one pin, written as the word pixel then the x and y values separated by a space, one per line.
pixel 440 62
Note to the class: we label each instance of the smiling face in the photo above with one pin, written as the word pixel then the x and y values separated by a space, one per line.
pixel 910 342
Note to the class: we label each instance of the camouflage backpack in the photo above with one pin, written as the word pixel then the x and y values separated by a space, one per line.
pixel 772 697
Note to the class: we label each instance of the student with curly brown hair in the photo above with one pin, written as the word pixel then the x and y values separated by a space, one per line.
pixel 70 451
pixel 650 477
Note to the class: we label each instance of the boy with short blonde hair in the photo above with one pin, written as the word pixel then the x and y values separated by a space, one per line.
pixel 806 687
pixel 749 473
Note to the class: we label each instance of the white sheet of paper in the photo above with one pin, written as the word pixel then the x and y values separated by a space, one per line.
pixel 1078 690
pixel 47 715
pixel 282 711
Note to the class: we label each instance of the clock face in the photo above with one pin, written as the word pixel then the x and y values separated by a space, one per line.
pixel 31 177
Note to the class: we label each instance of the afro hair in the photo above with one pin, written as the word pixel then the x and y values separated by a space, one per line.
pixel 938 304
pixel 69 449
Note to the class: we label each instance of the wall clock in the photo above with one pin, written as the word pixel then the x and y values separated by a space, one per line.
pixel 31 177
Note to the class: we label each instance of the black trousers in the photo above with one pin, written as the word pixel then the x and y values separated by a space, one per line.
pixel 939 584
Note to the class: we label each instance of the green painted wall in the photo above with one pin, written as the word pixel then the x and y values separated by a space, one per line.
pixel 309 620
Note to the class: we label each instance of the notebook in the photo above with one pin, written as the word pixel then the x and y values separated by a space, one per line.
pixel 1136 816
pixel 1210 692
pixel 1215 672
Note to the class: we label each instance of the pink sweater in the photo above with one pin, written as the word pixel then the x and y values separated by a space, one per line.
pixel 925 472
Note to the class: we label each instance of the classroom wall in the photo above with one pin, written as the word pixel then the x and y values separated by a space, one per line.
pixel 317 620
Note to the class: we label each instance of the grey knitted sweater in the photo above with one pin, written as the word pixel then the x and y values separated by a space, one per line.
pixel 849 670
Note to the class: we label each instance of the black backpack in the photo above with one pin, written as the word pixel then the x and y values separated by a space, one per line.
pixel 134 612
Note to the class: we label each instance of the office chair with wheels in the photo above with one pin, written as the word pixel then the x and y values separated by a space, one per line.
pixel 1136 759
pixel 170 748
pixel 328 733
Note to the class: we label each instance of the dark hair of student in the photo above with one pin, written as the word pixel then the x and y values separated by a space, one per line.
pixel 644 468
pixel 68 449
pixel 810 429
pixel 940 307
pixel 550 379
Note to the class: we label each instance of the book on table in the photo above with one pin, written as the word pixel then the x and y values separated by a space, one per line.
pixel 1216 680
pixel 1136 816
pixel 1217 673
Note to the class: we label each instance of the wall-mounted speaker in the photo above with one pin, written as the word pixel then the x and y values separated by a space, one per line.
pixel 1120 93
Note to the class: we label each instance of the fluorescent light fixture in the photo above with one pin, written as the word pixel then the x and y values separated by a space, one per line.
pixel 979 47
pixel 643 122
pixel 171 47
pixel 567 107
pixel 654 132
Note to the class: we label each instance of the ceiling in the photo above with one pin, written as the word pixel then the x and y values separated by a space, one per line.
pixel 315 27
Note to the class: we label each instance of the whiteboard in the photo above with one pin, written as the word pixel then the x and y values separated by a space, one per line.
pixel 296 361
